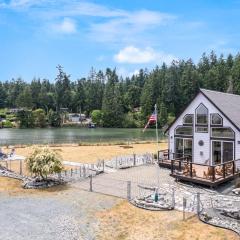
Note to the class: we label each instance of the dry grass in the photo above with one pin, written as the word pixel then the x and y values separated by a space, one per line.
pixel 91 154
pixel 126 222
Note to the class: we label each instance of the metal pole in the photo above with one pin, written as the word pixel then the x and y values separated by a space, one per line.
pixel 173 198
pixel 91 189
pixel 157 141
pixel 184 207
pixel 198 203
pixel 129 190
pixel 156 126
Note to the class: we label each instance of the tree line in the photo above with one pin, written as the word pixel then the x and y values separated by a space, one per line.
pixel 114 101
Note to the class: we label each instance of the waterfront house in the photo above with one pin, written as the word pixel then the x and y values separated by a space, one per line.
pixel 76 117
pixel 204 140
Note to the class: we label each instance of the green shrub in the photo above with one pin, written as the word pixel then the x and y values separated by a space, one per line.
pixel 7 124
pixel 97 117
pixel 43 162
pixel 2 115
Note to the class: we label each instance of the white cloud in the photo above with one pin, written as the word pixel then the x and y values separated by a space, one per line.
pixel 133 55
pixel 67 26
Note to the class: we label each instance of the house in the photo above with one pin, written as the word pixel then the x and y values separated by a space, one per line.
pixel 206 134
pixel 76 117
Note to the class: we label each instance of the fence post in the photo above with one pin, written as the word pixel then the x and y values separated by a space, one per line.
pixel 80 171
pixel 184 207
pixel 134 159
pixel 103 162
pixel 173 198
pixel 90 187
pixel 129 190
pixel 84 171
pixel 198 203
pixel 71 172
pixel 20 170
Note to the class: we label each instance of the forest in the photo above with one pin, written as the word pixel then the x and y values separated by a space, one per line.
pixel 114 101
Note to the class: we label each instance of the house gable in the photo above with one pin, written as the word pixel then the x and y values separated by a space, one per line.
pixel 202 154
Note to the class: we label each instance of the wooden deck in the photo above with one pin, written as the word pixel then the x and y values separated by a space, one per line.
pixel 183 169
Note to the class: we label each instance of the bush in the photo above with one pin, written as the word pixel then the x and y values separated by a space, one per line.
pixel 129 121
pixel 2 115
pixel 97 117
pixel 39 118
pixel 43 162
pixel 54 119
pixel 7 124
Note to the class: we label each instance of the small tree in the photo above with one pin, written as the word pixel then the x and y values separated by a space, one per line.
pixel 97 117
pixel 43 162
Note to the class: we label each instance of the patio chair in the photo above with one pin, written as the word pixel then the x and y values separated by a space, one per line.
pixel 209 173
pixel 219 170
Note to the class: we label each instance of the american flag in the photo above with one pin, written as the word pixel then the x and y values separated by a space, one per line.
pixel 152 119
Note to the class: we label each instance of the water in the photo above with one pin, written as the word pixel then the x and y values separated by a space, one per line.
pixel 74 135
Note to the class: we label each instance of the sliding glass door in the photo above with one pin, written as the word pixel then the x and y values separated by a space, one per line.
pixel 183 147
pixel 222 151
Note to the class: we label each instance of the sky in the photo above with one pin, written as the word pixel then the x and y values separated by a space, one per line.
pixel 37 35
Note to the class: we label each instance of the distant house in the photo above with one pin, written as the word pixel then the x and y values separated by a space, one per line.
pixel 207 133
pixel 14 110
pixel 76 117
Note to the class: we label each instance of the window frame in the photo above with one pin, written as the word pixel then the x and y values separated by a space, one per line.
pixel 222 137
pixel 188 124
pixel 196 116
pixel 182 126
pixel 201 126
pixel 211 117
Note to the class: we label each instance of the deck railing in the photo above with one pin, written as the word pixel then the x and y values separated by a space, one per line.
pixel 166 156
pixel 204 172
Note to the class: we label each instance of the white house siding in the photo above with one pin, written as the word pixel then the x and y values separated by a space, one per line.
pixel 205 156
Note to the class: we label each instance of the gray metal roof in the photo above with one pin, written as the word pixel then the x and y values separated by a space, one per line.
pixel 228 104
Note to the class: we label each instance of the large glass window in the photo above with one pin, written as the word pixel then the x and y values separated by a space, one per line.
pixel 222 151
pixel 223 132
pixel 188 119
pixel 184 130
pixel 216 119
pixel 202 115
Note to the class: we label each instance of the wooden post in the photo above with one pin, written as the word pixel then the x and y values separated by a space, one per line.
pixel 213 173
pixel 171 166
pixel 84 171
pixel 158 156
pixel 233 168
pixel 20 170
pixel 224 170
pixel 91 188
pixel 129 190
pixel 191 169
pixel 71 172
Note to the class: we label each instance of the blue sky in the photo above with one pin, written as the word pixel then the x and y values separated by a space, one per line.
pixel 36 35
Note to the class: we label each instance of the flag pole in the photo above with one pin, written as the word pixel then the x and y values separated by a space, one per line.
pixel 156 126
pixel 158 177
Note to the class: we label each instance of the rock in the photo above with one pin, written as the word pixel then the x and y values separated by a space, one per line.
pixel 236 191
pixel 40 184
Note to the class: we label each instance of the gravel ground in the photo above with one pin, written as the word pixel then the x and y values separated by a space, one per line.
pixel 67 215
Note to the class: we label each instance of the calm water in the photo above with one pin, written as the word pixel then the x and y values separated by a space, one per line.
pixel 73 135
